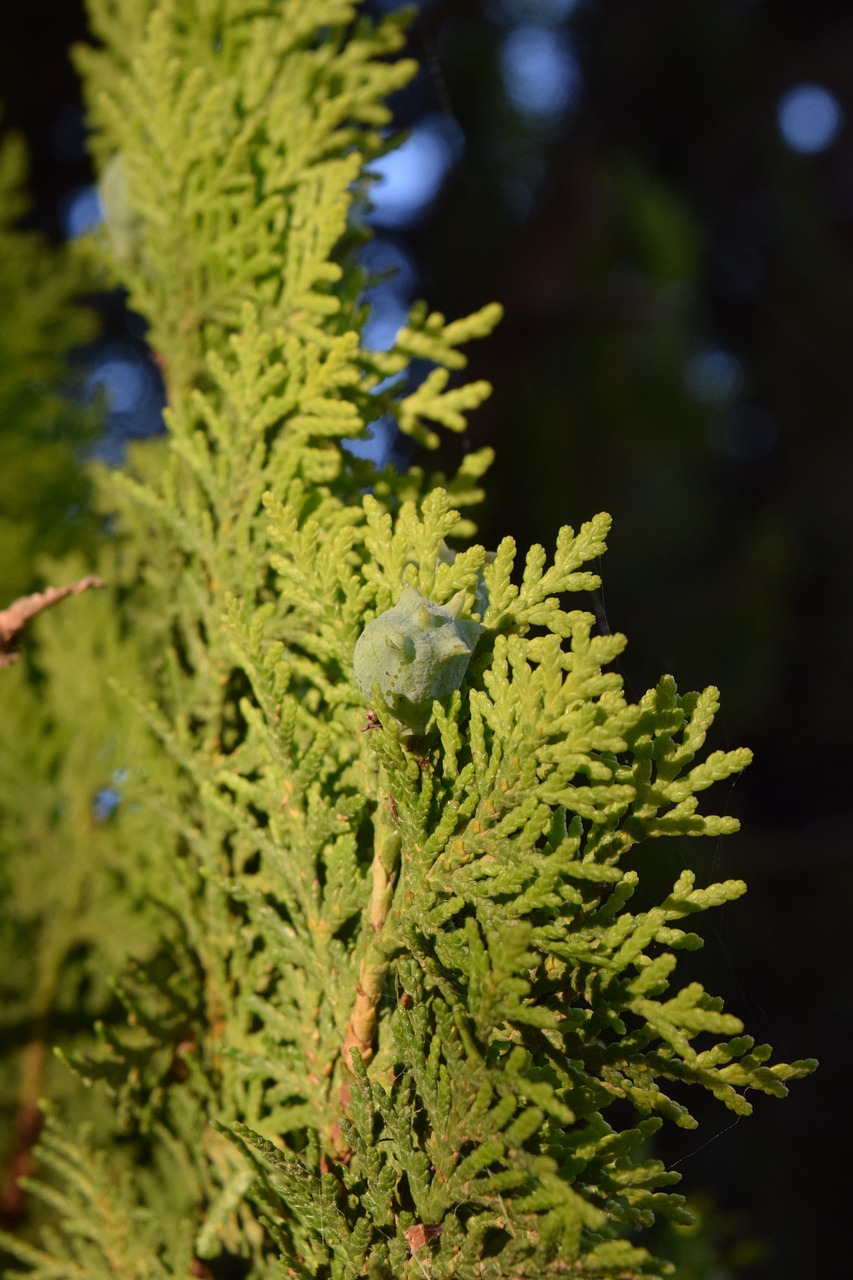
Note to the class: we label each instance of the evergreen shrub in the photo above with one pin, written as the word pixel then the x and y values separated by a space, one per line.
pixel 354 958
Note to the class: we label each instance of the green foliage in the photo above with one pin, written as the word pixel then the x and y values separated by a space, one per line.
pixel 43 495
pixel 390 1012
pixel 66 884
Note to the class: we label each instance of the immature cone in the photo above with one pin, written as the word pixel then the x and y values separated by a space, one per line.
pixel 417 652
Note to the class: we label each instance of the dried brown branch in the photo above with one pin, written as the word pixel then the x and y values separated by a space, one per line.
pixel 14 619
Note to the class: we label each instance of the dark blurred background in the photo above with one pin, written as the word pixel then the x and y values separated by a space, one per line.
pixel 660 193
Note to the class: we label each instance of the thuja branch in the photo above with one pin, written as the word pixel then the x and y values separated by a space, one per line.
pixel 249 634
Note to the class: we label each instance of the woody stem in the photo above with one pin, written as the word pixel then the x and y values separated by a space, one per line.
pixel 361 1028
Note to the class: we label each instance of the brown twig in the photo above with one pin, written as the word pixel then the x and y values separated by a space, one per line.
pixel 14 619
pixel 370 983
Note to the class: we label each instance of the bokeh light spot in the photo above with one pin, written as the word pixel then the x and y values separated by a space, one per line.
pixel 388 294
pixel 80 210
pixel 713 376
pixel 388 260
pixel 379 443
pixel 131 388
pixel 122 381
pixel 540 71
pixel 105 803
pixel 388 314
pixel 809 117
pixel 410 177
pixel 108 799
